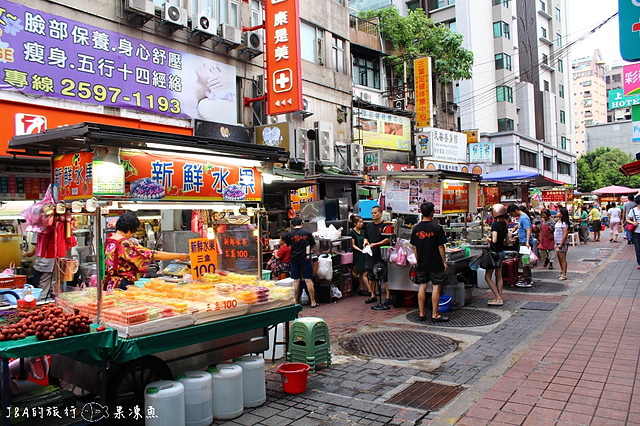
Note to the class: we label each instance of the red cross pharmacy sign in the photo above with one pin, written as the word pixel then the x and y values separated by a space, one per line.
pixel 284 70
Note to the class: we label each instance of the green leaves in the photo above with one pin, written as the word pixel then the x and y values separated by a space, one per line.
pixel 416 36
pixel 602 168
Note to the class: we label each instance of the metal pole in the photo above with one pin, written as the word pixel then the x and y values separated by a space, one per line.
pixel 99 257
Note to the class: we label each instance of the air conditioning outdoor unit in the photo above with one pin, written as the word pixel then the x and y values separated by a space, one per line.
pixel 366 96
pixel 355 153
pixel 296 150
pixel 231 34
pixel 324 137
pixel 174 15
pixel 145 7
pixel 204 24
pixel 253 40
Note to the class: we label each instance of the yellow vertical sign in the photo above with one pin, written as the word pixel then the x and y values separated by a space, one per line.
pixel 422 90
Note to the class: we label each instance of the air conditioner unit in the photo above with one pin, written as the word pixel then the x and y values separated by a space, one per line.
pixel 296 149
pixel 366 96
pixel 145 7
pixel 355 153
pixel 204 24
pixel 230 33
pixel 324 137
pixel 174 15
pixel 253 40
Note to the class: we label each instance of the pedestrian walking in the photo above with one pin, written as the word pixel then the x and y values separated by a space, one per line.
pixel 525 239
pixel 429 239
pixel 627 208
pixel 634 219
pixel 496 243
pixel 546 247
pixel 584 225
pixel 301 242
pixel 561 232
pixel 360 259
pixel 374 239
pixel 614 222
pixel 595 218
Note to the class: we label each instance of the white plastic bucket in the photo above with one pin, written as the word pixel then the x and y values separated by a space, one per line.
pixel 253 380
pixel 165 399
pixel 482 283
pixel 275 351
pixel 226 391
pixel 198 404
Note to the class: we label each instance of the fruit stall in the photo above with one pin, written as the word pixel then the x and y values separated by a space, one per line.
pixel 192 194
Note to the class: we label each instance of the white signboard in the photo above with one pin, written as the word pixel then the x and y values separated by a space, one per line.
pixel 482 152
pixel 442 145
pixel 405 195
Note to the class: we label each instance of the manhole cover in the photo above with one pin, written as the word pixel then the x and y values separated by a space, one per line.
pixel 426 396
pixel 540 306
pixel 540 287
pixel 459 318
pixel 400 344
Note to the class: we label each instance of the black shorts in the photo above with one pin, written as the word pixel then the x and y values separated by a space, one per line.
pixel 436 278
pixel 597 226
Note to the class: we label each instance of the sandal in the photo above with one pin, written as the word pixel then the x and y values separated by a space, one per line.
pixel 495 302
pixel 562 278
pixel 315 306
pixel 371 300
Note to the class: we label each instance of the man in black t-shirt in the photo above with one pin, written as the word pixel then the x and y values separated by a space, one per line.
pixel 301 242
pixel 373 238
pixel 429 239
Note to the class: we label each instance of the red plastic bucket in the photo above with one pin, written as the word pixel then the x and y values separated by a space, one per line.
pixel 294 377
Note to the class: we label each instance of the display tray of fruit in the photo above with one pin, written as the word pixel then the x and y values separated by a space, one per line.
pixel 206 315
pixel 271 304
pixel 151 327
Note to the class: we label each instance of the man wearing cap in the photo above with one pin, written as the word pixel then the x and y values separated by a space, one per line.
pixel 301 242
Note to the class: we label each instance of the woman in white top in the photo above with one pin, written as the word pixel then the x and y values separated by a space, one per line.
pixel 560 233
pixel 614 222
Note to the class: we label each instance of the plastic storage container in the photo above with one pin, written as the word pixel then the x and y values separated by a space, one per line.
pixel 456 292
pixel 165 398
pixel 275 351
pixel 226 391
pixel 254 387
pixel 482 283
pixel 445 304
pixel 198 405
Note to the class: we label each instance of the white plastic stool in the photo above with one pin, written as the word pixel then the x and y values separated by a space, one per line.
pixel 574 238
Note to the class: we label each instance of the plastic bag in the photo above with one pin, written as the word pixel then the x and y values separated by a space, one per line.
pixel 412 259
pixel 325 267
pixel 533 258
pixel 40 216
pixel 367 251
pixel 335 292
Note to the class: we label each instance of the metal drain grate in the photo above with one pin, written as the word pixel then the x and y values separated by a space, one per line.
pixel 426 396
pixel 401 345
pixel 590 260
pixel 459 318
pixel 540 306
pixel 540 287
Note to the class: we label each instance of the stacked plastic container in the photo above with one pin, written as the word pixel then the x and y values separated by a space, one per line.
pixel 164 404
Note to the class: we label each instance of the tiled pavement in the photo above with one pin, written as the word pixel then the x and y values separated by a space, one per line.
pixel 575 364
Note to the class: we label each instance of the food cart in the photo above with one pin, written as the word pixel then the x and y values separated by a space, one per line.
pixel 224 199
pixel 454 194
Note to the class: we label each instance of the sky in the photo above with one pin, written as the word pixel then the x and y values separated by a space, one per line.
pixel 584 15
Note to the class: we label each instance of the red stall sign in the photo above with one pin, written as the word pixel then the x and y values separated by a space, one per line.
pixel 554 196
pixel 72 173
pixel 455 198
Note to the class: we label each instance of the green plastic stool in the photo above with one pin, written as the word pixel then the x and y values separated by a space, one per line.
pixel 309 342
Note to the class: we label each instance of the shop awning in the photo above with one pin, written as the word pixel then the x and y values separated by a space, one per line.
pixel 86 135
pixel 521 177
pixel 541 180
pixel 630 169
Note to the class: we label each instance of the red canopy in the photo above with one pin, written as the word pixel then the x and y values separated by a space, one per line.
pixel 630 169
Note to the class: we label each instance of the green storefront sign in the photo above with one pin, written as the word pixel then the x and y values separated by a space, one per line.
pixel 629 22
pixel 617 99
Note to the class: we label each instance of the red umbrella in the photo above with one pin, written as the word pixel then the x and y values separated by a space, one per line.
pixel 615 189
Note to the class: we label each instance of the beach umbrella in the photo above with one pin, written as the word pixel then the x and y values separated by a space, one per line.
pixel 615 190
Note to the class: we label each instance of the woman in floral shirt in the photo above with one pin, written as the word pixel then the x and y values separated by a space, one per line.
pixel 126 260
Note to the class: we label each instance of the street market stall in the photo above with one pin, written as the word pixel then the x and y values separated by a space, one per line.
pixel 194 314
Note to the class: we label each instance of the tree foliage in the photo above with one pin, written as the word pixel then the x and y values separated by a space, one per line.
pixel 416 35
pixel 602 168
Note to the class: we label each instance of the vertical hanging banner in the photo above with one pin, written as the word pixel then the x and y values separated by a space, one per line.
pixel 284 70
pixel 422 88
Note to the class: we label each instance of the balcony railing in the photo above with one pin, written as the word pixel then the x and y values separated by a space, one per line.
pixel 369 26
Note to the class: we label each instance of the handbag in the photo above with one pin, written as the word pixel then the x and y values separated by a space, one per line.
pixel 630 227
pixel 489 259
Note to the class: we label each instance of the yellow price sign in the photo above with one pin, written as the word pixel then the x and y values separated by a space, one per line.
pixel 203 254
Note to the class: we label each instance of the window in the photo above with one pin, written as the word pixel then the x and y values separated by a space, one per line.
pixel 546 163
pixel 616 78
pixel 586 94
pixel 437 4
pixel 563 142
pixel 560 65
pixel 366 72
pixel 338 55
pixel 453 26
pixel 543 32
pixel 561 90
pixel 528 159
pixel 505 3
pixel 501 29
pixel 498 155
pixel 546 85
pixel 558 15
pixel 256 13
pixel 558 40
pixel 543 6
pixel 311 43
pixel 586 83
pixel 505 124
pixel 504 94
pixel 503 61
pixel 545 59
pixel 564 168
pixel 588 102
pixel 224 11
pixel 563 118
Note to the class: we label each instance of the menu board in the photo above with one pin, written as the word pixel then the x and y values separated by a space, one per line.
pixel 203 254
pixel 404 195
pixel 23 188
pixel 238 248
pixel 455 198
